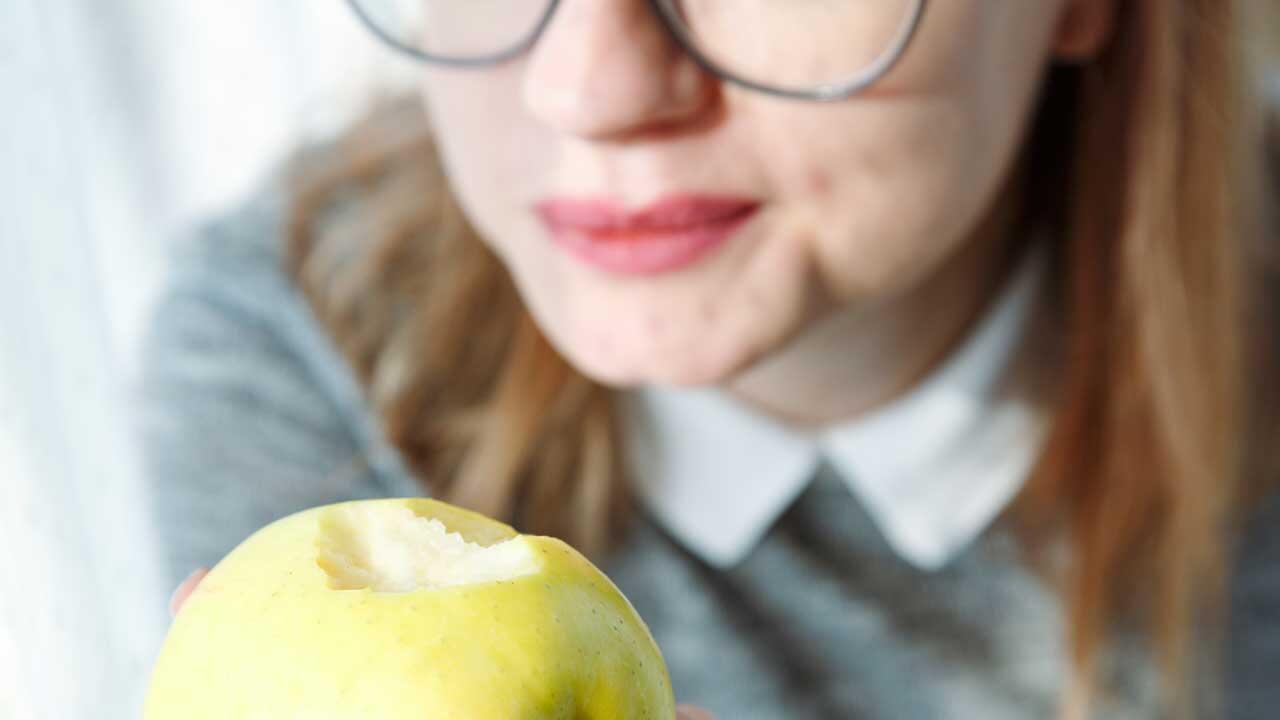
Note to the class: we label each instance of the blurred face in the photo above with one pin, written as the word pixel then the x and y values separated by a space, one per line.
pixel 665 226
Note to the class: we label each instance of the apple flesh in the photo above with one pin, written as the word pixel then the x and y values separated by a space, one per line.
pixel 407 608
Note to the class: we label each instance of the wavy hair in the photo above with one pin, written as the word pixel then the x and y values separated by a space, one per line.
pixel 1149 159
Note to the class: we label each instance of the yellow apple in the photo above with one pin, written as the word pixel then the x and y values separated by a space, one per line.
pixel 406 608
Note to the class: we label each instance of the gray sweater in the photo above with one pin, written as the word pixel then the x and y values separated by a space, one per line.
pixel 251 415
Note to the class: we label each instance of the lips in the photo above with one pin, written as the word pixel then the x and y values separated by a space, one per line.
pixel 672 233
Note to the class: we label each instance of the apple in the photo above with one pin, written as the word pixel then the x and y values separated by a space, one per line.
pixel 406 608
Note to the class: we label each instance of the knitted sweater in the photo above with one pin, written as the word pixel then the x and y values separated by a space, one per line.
pixel 251 415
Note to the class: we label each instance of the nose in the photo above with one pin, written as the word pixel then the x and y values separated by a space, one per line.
pixel 608 69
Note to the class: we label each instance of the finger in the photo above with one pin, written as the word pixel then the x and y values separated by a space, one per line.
pixel 184 589
pixel 689 712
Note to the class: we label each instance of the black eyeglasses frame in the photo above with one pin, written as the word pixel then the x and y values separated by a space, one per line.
pixel 670 17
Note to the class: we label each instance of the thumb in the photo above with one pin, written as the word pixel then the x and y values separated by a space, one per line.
pixel 689 712
pixel 184 589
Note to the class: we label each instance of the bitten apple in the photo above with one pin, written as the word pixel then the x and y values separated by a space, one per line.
pixel 407 608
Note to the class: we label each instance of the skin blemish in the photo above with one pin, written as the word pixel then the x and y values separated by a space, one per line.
pixel 819 182
pixel 707 313
pixel 655 324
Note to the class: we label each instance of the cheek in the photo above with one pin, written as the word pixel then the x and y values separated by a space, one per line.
pixel 892 183
pixel 818 183
pixel 493 153
pixel 884 195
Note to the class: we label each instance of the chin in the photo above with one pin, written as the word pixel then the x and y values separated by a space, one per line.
pixel 688 361
pixel 674 369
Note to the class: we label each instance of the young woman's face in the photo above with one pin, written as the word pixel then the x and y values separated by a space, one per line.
pixel 858 199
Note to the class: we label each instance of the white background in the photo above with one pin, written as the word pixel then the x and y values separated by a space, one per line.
pixel 120 122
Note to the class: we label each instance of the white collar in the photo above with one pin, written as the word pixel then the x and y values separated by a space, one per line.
pixel 933 468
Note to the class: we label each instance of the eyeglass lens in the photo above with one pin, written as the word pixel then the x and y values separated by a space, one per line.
pixel 786 44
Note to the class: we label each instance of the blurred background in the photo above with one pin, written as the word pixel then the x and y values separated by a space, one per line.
pixel 122 122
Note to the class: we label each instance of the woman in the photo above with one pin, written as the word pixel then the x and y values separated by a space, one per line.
pixel 897 359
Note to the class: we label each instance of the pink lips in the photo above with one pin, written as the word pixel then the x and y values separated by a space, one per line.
pixel 672 233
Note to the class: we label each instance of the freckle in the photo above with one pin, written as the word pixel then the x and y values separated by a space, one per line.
pixel 707 311
pixel 655 324
pixel 819 182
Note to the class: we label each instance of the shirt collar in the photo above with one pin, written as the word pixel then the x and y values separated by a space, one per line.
pixel 932 468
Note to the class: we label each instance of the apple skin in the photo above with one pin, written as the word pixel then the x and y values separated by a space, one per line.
pixel 263 636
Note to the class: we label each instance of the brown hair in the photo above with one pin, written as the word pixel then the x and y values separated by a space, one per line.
pixel 1149 160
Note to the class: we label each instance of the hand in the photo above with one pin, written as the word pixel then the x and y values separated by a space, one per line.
pixel 180 594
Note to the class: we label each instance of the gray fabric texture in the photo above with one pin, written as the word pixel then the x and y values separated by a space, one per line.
pixel 250 415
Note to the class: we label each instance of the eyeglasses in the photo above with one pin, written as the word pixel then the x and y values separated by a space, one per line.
pixel 803 49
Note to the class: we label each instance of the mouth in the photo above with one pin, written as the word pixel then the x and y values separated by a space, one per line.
pixel 672 233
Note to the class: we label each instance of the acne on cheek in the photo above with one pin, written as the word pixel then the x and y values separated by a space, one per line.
pixel 655 325
pixel 708 314
pixel 757 301
pixel 818 182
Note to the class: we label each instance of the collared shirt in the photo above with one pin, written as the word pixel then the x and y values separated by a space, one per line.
pixel 932 467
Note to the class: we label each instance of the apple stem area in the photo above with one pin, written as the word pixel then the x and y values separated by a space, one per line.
pixel 391 549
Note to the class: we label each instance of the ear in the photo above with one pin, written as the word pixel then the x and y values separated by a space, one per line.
pixel 1084 27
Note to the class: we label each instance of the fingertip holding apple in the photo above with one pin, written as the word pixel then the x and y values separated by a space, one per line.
pixel 184 589
pixel 405 608
pixel 689 712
